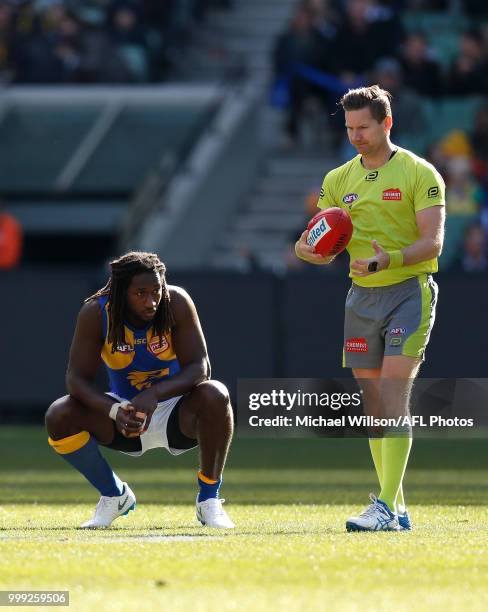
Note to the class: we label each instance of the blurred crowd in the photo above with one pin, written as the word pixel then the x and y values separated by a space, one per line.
pixel 94 41
pixel 462 158
pixel 424 52
pixel 331 45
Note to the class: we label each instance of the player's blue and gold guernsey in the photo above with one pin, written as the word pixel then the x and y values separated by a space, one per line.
pixel 141 362
pixel 382 204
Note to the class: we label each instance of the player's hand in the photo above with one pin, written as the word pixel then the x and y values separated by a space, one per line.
pixel 306 252
pixel 128 423
pixel 145 403
pixel 365 267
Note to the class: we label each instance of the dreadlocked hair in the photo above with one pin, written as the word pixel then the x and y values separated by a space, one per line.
pixel 122 271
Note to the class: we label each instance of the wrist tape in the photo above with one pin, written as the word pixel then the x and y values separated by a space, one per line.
pixel 115 408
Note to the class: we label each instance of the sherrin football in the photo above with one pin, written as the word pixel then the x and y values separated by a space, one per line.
pixel 329 231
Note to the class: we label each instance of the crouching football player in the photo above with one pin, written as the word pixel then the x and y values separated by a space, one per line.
pixel 149 337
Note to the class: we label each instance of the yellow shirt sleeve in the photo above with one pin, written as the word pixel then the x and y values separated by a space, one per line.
pixel 430 189
pixel 326 198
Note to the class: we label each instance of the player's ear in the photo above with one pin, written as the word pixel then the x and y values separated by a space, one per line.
pixel 388 123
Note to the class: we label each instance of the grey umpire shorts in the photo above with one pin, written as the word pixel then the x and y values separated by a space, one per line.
pixel 392 320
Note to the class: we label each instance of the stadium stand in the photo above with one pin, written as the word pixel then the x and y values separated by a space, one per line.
pixel 102 143
pixel 187 152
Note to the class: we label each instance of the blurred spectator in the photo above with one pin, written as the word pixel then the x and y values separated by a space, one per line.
pixel 129 34
pixel 311 199
pixel 422 72
pixel 94 41
pixel 299 44
pixel 68 48
pixel 479 144
pixel 325 20
pixel 407 107
pixel 463 192
pixel 369 31
pixel 100 60
pixel 468 73
pixel 473 258
pixel 34 46
pixel 11 238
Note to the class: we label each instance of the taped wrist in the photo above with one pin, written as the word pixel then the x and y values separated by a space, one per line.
pixel 115 408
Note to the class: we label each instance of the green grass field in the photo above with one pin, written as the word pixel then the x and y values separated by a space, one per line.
pixel 289 498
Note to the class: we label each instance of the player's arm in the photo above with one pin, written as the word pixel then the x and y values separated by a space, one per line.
pixel 191 351
pixel 430 215
pixel 430 223
pixel 84 360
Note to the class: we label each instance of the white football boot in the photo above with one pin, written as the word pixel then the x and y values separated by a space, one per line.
pixel 376 517
pixel 211 514
pixel 109 508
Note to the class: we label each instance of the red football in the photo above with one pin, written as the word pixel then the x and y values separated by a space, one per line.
pixel 329 231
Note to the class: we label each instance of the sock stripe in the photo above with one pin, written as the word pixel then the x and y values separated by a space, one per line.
pixel 206 480
pixel 70 444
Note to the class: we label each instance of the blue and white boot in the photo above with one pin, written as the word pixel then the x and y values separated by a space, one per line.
pixel 376 517
pixel 404 521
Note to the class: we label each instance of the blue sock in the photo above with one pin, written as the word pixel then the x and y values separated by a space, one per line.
pixel 208 489
pixel 89 461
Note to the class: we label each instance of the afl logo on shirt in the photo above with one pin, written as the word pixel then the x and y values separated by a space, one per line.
pixel 392 194
pixel 124 348
pixel 350 198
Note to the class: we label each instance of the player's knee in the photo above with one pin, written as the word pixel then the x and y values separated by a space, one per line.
pixel 214 395
pixel 59 417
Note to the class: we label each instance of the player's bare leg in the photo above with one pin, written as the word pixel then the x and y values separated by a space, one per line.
pixel 74 433
pixel 67 417
pixel 206 415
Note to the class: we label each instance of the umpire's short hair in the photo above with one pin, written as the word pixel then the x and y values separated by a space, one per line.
pixel 377 99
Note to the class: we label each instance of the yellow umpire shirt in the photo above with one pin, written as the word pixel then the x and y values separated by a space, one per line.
pixel 382 204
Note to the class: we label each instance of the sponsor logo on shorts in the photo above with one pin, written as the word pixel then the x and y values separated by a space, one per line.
pixel 350 198
pixel 156 346
pixel 356 345
pixel 392 194
pixel 398 331
pixel 433 192
pixel 372 176
pixel 396 341
pixel 317 232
